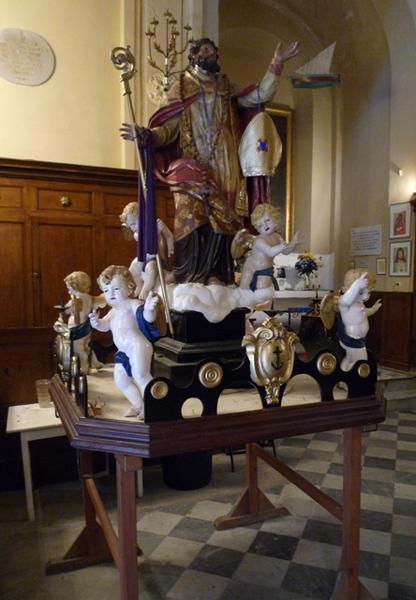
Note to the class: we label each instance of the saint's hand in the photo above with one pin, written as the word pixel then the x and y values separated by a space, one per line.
pixel 290 52
pixel 131 132
pixel 281 56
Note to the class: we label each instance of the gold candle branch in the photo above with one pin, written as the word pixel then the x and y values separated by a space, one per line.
pixel 170 52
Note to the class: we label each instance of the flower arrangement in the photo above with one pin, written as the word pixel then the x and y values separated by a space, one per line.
pixel 307 263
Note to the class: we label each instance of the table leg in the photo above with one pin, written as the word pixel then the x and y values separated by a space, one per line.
pixel 351 504
pixel 349 586
pixel 140 483
pixel 127 534
pixel 253 505
pixel 27 472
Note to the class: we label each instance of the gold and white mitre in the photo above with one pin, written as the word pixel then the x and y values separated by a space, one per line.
pixel 260 147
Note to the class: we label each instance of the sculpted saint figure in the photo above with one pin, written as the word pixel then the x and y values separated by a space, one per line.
pixel 353 325
pixel 196 137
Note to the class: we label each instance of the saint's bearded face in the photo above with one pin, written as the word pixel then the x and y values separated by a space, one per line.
pixel 206 59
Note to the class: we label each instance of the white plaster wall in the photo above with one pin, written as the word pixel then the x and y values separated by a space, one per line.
pixel 399 23
pixel 196 13
pixel 321 185
pixel 74 117
pixel 365 149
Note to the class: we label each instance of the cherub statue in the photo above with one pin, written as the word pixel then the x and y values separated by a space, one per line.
pixel 145 275
pixel 353 325
pixel 79 306
pixel 130 322
pixel 257 272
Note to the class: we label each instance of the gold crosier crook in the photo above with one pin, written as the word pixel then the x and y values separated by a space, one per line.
pixel 124 61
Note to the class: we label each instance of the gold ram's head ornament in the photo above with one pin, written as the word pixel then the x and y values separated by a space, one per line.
pixel 271 352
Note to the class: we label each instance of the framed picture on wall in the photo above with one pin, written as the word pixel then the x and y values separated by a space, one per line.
pixel 281 194
pixel 381 266
pixel 400 259
pixel 400 220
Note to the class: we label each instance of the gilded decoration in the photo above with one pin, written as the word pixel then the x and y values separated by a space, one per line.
pixel 159 390
pixel 364 370
pixel 271 352
pixel 210 375
pixel 326 363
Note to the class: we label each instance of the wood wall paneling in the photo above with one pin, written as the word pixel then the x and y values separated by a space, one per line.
pixel 396 330
pixel 114 203
pixel 12 269
pixel 43 238
pixel 413 329
pixel 118 251
pixel 390 330
pixel 66 200
pixel 11 197
pixel 26 355
pixel 58 249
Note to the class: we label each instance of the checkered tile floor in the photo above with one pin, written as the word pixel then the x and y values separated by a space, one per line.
pixel 293 557
pixel 185 558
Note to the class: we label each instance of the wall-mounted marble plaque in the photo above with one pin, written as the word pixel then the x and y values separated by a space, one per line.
pixel 25 57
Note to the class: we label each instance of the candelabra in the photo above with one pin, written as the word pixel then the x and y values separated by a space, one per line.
pixel 170 52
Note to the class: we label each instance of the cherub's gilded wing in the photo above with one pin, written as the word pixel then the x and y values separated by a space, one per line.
pixel 98 301
pixel 328 309
pixel 127 232
pixel 242 243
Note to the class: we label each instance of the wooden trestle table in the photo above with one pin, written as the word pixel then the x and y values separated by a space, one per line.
pixel 130 442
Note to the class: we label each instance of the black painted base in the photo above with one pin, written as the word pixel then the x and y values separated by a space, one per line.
pixel 187 368
pixel 196 341
pixel 192 327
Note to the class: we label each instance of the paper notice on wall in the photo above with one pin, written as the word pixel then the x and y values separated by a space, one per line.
pixel 366 241
pixel 363 263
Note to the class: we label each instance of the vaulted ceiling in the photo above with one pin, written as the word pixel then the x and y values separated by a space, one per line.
pixel 353 24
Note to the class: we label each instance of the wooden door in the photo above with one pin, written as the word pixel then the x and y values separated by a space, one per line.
pixel 59 247
pixel 12 268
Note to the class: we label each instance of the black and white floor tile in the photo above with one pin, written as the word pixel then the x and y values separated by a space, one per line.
pixel 291 558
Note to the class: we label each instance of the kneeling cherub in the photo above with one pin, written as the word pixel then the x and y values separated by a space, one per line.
pixel 130 322
pixel 257 272
pixel 145 273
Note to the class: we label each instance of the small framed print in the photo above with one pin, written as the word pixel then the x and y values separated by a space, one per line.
pixel 381 266
pixel 400 220
pixel 399 259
